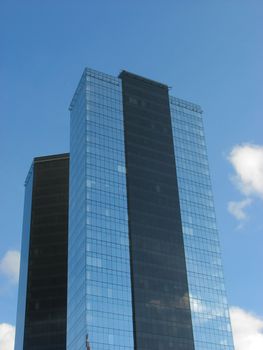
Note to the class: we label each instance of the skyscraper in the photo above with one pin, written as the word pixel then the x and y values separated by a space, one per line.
pixel 144 264
pixel 42 297
pixel 145 268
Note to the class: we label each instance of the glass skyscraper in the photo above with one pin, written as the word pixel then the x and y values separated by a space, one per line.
pixel 145 267
pixel 144 264
pixel 42 296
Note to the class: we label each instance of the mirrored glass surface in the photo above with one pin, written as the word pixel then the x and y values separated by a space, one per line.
pixel 100 307
pixel 210 315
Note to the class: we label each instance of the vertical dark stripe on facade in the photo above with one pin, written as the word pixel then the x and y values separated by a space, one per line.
pixel 46 296
pixel 161 310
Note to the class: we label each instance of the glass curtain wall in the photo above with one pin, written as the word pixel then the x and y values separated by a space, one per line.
pixel 99 297
pixel 210 316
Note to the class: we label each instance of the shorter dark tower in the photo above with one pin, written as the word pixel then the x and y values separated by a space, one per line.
pixel 42 306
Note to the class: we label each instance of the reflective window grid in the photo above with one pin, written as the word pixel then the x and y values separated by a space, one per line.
pixel 210 316
pixel 99 287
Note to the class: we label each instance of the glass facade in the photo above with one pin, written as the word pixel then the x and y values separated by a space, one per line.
pixel 144 267
pixel 210 316
pixel 161 307
pixel 76 310
pixel 99 289
pixel 144 263
pixel 41 314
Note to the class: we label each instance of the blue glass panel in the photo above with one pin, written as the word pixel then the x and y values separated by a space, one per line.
pixel 76 315
pixel 210 316
pixel 99 287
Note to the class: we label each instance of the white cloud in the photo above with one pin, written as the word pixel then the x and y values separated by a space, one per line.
pixel 247 160
pixel 9 265
pixel 237 208
pixel 247 329
pixel 7 336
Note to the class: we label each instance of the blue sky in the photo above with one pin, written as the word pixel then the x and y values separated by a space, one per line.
pixel 210 52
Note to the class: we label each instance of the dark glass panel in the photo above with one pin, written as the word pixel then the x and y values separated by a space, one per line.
pixel 161 310
pixel 46 300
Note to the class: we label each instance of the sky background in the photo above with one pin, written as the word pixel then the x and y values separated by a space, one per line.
pixel 209 51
